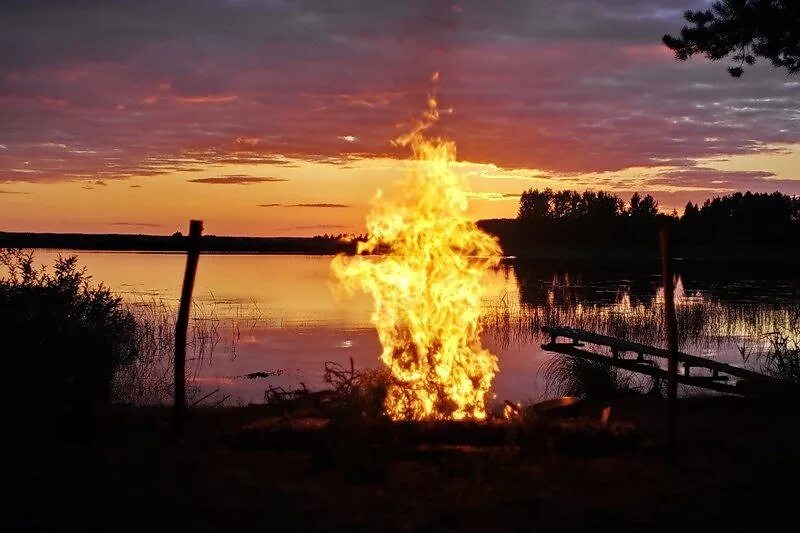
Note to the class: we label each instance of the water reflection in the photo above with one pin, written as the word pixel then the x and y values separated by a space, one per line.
pixel 725 311
pixel 281 314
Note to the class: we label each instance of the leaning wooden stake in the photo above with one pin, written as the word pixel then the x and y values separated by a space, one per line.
pixel 672 341
pixel 182 324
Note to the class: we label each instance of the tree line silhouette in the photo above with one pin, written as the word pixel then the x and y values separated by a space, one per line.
pixel 602 218
pixel 742 218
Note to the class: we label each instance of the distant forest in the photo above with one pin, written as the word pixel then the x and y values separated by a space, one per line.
pixel 548 224
pixel 602 219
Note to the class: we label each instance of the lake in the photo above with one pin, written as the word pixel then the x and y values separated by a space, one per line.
pixel 283 314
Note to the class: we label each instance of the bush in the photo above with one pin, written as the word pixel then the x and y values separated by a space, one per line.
pixel 63 339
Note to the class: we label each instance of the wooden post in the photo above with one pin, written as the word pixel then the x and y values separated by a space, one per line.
pixel 182 324
pixel 672 340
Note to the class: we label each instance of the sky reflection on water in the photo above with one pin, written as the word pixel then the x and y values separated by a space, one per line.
pixel 284 313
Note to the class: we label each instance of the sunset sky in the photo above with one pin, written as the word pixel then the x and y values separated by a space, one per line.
pixel 270 117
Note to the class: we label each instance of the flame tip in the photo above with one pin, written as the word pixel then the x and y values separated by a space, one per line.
pixel 425 277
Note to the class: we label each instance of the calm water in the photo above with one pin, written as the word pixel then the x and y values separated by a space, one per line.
pixel 283 312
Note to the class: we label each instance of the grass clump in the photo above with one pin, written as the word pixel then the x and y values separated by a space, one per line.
pixel 352 396
pixel 573 376
pixel 781 360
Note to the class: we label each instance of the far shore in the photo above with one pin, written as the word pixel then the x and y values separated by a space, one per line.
pixel 320 245
pixel 334 244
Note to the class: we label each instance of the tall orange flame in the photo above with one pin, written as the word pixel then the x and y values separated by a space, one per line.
pixel 425 275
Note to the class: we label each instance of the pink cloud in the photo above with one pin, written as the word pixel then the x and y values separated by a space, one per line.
pixel 207 99
pixel 550 85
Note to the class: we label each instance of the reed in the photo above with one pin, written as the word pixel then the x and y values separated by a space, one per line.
pixel 148 380
pixel 766 333
pixel 701 321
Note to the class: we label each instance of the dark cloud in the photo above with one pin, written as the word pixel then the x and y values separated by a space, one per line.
pixel 323 205
pixel 139 224
pixel 335 206
pixel 493 196
pixel 315 226
pixel 111 90
pixel 712 178
pixel 237 180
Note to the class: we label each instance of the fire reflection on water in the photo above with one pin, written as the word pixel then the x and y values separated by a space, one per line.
pixel 278 313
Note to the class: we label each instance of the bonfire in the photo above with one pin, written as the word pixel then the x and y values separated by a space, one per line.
pixel 423 264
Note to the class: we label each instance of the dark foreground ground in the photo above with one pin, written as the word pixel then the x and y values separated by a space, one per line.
pixel 737 470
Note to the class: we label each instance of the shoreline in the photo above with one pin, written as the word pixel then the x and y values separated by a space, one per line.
pixel 332 245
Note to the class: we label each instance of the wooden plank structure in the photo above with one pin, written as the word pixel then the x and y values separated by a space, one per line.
pixel 642 358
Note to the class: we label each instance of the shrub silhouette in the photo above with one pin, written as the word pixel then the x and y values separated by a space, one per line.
pixel 63 340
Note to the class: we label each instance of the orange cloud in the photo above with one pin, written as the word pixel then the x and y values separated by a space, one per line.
pixel 237 180
pixel 321 205
pixel 249 141
pixel 208 99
